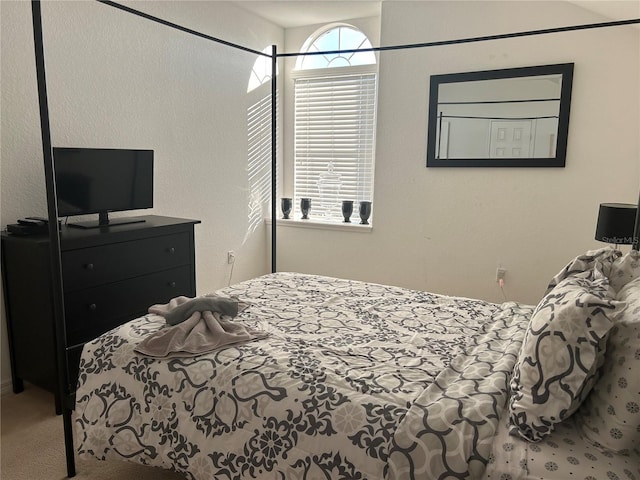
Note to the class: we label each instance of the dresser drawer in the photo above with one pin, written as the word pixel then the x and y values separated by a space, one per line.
pixel 94 266
pixel 92 311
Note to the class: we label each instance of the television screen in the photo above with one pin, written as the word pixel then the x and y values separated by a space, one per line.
pixel 100 180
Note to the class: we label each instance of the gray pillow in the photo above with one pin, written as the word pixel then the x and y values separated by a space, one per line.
pixel 625 269
pixel 602 259
pixel 561 353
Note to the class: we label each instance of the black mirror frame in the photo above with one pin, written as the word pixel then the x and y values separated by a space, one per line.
pixel 565 69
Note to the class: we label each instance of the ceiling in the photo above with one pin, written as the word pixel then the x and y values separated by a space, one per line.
pixel 612 9
pixel 296 13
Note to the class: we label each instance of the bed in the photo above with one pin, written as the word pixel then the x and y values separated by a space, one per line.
pixel 353 380
pixel 564 454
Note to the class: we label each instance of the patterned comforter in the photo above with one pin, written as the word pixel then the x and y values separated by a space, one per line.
pixel 355 381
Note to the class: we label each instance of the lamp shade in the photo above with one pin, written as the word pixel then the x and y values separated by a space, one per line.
pixel 616 222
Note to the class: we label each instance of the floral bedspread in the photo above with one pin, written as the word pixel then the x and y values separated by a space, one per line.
pixel 355 381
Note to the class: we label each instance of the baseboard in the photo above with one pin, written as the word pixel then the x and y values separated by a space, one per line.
pixel 6 388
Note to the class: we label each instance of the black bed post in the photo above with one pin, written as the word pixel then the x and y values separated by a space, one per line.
pixel 274 156
pixel 54 239
pixel 636 229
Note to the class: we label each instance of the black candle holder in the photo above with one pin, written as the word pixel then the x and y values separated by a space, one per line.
pixel 286 204
pixel 305 207
pixel 365 212
pixel 347 210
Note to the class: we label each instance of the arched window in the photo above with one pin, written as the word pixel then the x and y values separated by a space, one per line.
pixel 337 38
pixel 259 140
pixel 261 71
pixel 335 112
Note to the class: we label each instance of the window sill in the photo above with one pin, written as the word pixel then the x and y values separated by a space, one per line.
pixel 319 224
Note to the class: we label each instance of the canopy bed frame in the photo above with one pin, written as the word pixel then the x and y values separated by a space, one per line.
pixel 56 266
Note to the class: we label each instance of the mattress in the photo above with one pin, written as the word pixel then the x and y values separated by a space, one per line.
pixel 355 380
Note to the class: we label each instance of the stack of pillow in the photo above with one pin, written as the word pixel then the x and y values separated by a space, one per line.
pixel 581 354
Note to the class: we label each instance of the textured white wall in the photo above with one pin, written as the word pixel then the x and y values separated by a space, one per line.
pixel 435 229
pixel 446 230
pixel 116 80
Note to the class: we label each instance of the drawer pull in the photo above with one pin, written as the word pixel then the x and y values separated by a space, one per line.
pixel 171 250
pixel 89 266
pixel 172 284
pixel 93 307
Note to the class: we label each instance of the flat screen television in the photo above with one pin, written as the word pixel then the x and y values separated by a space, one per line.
pixel 102 180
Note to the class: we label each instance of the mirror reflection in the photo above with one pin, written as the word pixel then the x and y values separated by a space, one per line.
pixel 511 117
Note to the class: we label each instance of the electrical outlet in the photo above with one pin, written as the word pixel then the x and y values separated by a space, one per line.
pixel 231 257
pixel 500 273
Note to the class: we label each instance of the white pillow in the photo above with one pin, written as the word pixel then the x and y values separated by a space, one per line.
pixel 561 353
pixel 610 417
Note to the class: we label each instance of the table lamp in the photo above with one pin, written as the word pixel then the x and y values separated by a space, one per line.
pixel 615 223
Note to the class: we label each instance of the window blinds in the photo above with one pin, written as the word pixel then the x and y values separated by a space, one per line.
pixel 334 123
pixel 259 158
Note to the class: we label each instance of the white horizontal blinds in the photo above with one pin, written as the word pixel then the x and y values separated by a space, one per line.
pixel 334 122
pixel 259 158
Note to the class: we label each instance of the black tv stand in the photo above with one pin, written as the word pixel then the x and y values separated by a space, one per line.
pixel 104 221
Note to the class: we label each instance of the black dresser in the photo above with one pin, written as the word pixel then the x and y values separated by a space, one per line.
pixel 110 275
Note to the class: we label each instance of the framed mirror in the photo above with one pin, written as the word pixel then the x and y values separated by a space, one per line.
pixel 516 117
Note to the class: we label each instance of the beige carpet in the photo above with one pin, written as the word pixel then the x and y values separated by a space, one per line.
pixel 32 445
